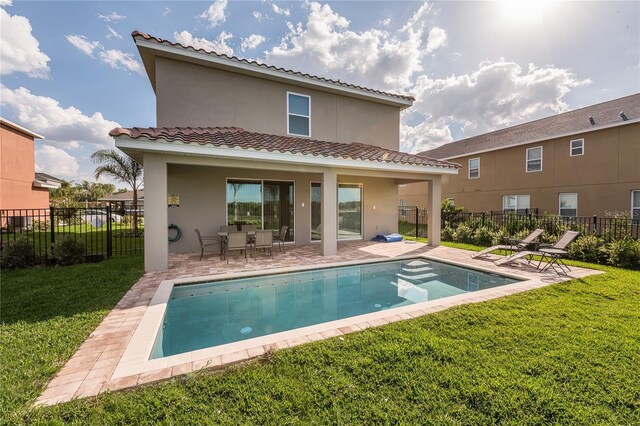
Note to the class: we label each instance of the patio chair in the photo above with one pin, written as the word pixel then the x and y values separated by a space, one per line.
pixel 552 254
pixel 281 237
pixel 264 240
pixel 236 241
pixel 207 242
pixel 514 245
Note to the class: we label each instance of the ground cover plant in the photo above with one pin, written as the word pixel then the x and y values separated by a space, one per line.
pixel 564 354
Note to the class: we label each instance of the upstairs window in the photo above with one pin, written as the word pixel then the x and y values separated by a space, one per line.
pixel 576 147
pixel 474 168
pixel 568 204
pixel 635 204
pixel 298 114
pixel 534 159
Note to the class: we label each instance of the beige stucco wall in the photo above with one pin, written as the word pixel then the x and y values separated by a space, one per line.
pixel 17 172
pixel 193 95
pixel 603 177
pixel 202 192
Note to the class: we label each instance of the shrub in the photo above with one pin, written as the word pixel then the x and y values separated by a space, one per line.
pixel 18 254
pixel 68 251
pixel 41 225
pixel 463 234
pixel 482 236
pixel 624 253
pixel 497 237
pixel 588 248
pixel 446 234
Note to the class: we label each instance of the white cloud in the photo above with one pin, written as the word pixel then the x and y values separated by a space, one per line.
pixel 251 42
pixel 83 44
pixel 437 38
pixel 112 17
pixel 424 136
pixel 120 60
pixel 218 45
pixel 374 58
pixel 496 95
pixel 112 33
pixel 385 22
pixel 215 13
pixel 280 10
pixel 166 11
pixel 257 15
pixel 6 3
pixel 56 162
pixel 66 127
pixel 19 49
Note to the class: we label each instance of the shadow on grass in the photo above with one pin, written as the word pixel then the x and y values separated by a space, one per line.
pixel 39 294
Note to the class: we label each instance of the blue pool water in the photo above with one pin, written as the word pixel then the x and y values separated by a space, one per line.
pixel 204 315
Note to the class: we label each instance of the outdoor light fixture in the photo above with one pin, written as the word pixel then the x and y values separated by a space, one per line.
pixel 592 121
pixel 623 116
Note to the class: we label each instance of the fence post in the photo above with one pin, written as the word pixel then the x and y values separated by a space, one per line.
pixel 417 221
pixel 530 219
pixel 52 226
pixel 109 231
pixel 595 224
pixel 483 219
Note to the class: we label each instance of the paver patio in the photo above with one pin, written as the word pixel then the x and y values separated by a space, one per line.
pixel 90 370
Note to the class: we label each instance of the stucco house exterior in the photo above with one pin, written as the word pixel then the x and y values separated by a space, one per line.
pixel 242 142
pixel 583 162
pixel 20 186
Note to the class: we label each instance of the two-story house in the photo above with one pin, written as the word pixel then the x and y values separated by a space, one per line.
pixel 579 163
pixel 239 142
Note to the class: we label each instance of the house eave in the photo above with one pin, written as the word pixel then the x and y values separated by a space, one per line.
pixel 135 147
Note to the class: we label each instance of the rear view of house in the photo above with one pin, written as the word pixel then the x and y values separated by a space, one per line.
pixel 238 142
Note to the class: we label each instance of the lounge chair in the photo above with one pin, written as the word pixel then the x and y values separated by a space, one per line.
pixel 264 240
pixel 281 237
pixel 236 241
pixel 516 245
pixel 552 254
pixel 207 242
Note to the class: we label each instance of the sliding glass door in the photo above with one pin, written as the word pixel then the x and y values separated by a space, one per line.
pixel 316 211
pixel 349 211
pixel 266 204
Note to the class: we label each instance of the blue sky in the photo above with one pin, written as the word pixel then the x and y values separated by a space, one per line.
pixel 70 71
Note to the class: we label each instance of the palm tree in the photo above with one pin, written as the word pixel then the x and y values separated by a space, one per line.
pixel 123 168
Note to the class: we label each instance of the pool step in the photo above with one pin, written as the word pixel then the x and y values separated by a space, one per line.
pixel 417 277
pixel 417 263
pixel 424 268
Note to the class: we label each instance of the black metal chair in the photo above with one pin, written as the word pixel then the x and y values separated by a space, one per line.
pixel 208 242
pixel 281 237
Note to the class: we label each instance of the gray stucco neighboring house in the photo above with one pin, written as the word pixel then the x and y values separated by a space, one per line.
pixel 242 142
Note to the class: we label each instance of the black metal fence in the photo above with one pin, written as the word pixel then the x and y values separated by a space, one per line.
pixel 412 221
pixel 102 232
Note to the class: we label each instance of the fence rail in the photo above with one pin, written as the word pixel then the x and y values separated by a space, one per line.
pixel 412 221
pixel 102 232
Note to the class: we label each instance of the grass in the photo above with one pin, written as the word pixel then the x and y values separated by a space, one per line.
pixel 564 354
pixel 45 314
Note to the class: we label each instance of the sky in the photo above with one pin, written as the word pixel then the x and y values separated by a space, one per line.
pixel 70 70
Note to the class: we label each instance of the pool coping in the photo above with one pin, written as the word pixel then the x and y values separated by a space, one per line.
pixel 135 359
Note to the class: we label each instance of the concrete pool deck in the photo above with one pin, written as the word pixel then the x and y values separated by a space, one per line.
pixel 115 355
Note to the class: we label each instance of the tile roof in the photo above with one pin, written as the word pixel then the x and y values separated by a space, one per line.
pixel 141 35
pixel 123 196
pixel 576 121
pixel 234 137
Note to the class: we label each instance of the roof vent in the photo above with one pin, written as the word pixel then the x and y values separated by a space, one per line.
pixel 592 121
pixel 623 116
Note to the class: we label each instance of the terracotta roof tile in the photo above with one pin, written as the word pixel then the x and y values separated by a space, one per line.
pixel 138 34
pixel 576 121
pixel 234 137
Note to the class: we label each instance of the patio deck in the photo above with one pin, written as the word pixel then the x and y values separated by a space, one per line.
pixel 91 369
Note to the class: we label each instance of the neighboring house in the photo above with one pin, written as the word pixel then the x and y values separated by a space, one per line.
pixel 122 202
pixel 20 186
pixel 579 163
pixel 242 142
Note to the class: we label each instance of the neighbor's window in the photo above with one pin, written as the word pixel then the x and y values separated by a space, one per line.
pixel 474 168
pixel 568 204
pixel 298 114
pixel 635 204
pixel 534 159
pixel 515 202
pixel 576 147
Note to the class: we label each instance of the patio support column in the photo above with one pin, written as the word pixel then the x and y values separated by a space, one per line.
pixel 329 216
pixel 156 233
pixel 434 200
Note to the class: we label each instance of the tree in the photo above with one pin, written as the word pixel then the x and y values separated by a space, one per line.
pixel 123 168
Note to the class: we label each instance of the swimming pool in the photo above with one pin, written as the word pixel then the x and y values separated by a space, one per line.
pixel 205 315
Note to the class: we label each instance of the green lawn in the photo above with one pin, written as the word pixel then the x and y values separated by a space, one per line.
pixel 564 354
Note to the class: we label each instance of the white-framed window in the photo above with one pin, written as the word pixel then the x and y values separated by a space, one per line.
pixel 534 159
pixel 474 168
pixel 403 205
pixel 635 204
pixel 298 114
pixel 568 204
pixel 576 147
pixel 515 202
